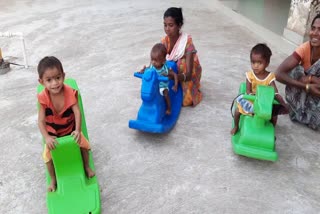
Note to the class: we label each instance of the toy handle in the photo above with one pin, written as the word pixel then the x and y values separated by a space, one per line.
pixel 249 97
pixel 160 78
pixel 138 75
pixel 65 140
pixel 253 97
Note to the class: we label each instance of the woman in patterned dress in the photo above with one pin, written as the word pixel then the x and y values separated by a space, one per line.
pixel 301 74
pixel 180 49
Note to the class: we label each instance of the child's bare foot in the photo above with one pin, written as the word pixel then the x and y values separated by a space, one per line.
pixel 168 112
pixel 234 130
pixel 53 186
pixel 89 172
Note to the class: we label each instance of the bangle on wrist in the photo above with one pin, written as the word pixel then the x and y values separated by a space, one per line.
pixel 310 79
pixel 307 87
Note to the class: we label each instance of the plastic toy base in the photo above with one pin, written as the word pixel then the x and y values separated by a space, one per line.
pixel 167 122
pixel 249 146
pixel 252 151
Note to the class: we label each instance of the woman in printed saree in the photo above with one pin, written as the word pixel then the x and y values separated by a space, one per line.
pixel 301 74
pixel 180 49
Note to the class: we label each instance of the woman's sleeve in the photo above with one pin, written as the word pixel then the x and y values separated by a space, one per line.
pixel 190 47
pixel 164 42
pixel 301 51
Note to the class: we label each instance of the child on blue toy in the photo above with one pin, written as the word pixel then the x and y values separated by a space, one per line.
pixel 260 58
pixel 158 62
pixel 59 114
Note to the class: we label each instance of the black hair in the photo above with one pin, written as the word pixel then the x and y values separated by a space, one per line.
pixel 314 19
pixel 263 50
pixel 49 62
pixel 176 14
pixel 159 49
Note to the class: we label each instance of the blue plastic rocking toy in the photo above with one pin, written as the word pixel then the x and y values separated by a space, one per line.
pixel 151 116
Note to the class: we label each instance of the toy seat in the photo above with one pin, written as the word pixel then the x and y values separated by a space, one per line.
pixel 75 193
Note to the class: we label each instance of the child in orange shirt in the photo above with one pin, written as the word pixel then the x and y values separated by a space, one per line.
pixel 59 114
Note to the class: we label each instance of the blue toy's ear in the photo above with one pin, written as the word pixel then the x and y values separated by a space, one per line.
pixel 173 65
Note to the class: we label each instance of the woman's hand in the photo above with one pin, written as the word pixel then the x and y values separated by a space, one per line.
pixel 314 89
pixel 76 135
pixel 175 88
pixel 50 142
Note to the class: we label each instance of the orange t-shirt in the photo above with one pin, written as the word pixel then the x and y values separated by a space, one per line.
pixel 304 52
pixel 62 123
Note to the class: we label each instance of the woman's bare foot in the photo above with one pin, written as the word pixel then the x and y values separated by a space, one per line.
pixel 234 130
pixel 168 112
pixel 89 172
pixel 53 186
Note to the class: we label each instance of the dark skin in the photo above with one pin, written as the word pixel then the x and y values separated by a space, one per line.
pixel 172 29
pixel 282 73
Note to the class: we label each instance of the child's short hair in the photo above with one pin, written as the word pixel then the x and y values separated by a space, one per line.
pixel 160 49
pixel 49 62
pixel 263 50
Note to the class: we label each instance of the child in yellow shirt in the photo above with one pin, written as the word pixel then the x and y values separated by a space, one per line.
pixel 260 58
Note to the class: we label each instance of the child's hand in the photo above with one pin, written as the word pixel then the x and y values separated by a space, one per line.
pixel 142 70
pixel 175 88
pixel 76 135
pixel 50 142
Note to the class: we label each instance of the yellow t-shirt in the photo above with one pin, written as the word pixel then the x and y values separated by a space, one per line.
pixel 251 77
pixel 255 81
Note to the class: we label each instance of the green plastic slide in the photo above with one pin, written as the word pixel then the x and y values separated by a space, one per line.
pixel 75 194
pixel 256 138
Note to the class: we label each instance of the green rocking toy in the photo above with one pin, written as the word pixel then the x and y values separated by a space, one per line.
pixel 255 137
